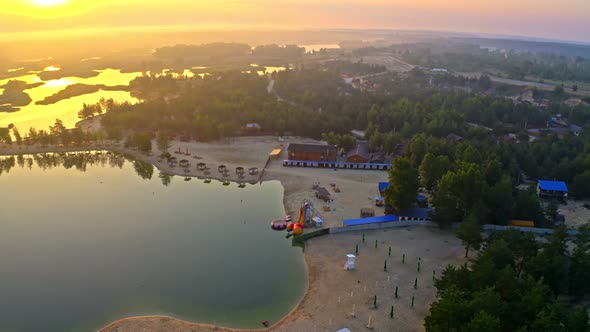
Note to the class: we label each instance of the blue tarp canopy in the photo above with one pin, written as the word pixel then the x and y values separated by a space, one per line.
pixel 552 185
pixel 372 220
pixel 420 213
pixel 383 186
pixel 420 198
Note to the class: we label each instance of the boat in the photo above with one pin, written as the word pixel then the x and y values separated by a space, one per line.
pixel 281 224
pixel 278 225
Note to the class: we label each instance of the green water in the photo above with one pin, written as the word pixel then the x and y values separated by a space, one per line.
pixel 80 249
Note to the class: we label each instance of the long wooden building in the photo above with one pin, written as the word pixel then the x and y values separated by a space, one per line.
pixel 312 152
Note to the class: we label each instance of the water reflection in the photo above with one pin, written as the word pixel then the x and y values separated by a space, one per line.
pixel 81 161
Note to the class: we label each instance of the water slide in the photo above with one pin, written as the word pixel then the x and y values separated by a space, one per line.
pixel 302 213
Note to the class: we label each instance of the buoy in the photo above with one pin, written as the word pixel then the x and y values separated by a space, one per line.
pixel 265 323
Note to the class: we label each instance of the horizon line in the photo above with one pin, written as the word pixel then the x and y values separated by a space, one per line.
pixel 168 28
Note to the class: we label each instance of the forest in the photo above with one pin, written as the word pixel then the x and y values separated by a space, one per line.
pixel 515 65
pixel 516 283
pixel 317 103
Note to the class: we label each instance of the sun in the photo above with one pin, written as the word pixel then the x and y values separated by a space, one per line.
pixel 49 3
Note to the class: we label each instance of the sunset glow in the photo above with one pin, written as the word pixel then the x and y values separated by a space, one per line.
pixel 549 19
pixel 48 3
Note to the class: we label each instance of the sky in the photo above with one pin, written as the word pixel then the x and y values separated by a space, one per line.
pixel 551 19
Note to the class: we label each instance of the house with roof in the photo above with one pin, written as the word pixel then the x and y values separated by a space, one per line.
pixel 359 154
pixel 552 189
pixel 312 152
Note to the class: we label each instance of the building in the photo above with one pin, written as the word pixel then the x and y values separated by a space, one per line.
pixel 378 158
pixel 424 214
pixel 359 154
pixel 313 152
pixel 552 189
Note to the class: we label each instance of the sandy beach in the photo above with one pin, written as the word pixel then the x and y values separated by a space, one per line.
pixel 332 292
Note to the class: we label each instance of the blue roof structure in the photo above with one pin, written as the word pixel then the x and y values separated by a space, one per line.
pixel 552 185
pixel 372 220
pixel 383 186
pixel 420 213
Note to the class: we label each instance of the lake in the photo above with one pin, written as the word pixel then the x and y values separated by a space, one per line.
pixel 43 116
pixel 89 238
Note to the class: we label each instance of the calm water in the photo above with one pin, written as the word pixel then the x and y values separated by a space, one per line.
pixel 43 116
pixel 81 249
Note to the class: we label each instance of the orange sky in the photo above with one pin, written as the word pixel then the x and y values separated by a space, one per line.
pixel 557 19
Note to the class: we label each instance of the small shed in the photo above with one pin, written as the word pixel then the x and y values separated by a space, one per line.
pixel 322 193
pixel 552 189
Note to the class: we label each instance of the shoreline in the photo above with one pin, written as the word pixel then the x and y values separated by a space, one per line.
pixel 212 327
pixel 37 149
pixel 153 160
pixel 322 256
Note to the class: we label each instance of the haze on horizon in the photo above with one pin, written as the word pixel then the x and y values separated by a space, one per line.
pixel 564 20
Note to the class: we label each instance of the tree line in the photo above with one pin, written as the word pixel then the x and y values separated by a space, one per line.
pixel 517 283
